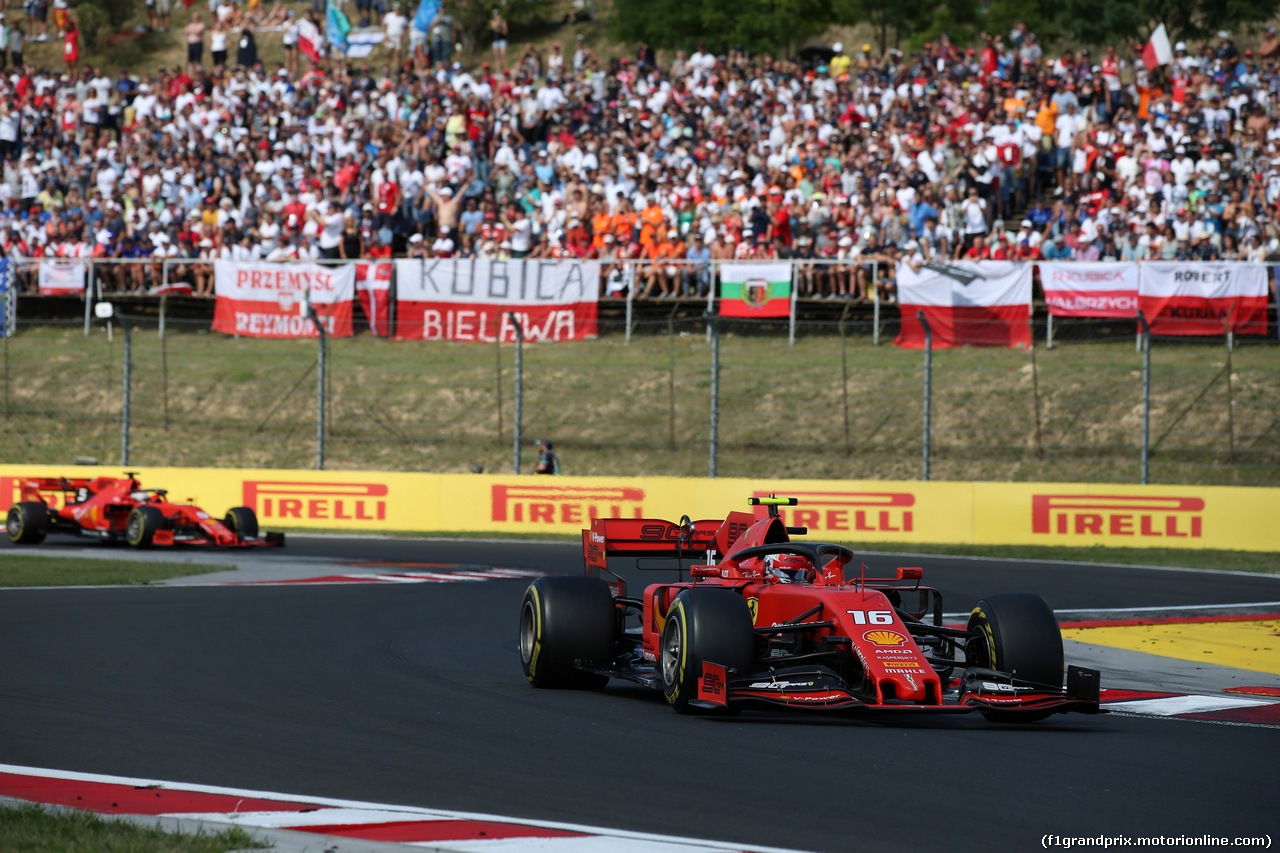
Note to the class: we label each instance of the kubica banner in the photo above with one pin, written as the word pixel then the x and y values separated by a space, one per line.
pixel 1084 289
pixel 474 300
pixel 1204 298
pixel 859 512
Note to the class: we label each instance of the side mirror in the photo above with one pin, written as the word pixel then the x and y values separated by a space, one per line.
pixel 912 574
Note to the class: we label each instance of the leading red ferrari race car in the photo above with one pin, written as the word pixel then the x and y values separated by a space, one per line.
pixel 769 620
pixel 118 509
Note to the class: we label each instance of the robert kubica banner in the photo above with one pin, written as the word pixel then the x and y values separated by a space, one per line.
pixel 472 300
pixel 1204 298
pixel 263 300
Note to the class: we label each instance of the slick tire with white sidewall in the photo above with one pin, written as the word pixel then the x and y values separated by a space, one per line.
pixel 703 625
pixel 142 525
pixel 566 622
pixel 26 523
pixel 1016 633
pixel 243 522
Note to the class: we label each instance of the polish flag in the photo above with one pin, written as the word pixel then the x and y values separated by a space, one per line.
pixel 982 303
pixel 1157 51
pixel 310 39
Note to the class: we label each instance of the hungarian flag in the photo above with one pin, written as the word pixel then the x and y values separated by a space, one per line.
pixel 1203 298
pixel 755 290
pixel 310 40
pixel 1157 51
pixel 981 303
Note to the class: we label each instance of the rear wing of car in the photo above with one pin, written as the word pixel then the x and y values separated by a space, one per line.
pixel 658 539
pixel 31 487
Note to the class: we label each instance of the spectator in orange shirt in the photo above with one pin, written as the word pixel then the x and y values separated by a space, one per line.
pixel 652 222
pixel 600 223
pixel 623 224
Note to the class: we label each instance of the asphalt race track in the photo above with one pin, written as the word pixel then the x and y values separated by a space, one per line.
pixel 412 694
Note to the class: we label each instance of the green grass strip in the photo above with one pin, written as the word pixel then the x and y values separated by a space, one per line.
pixel 18 569
pixel 32 829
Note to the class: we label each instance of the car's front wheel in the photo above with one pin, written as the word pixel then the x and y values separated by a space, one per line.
pixel 566 623
pixel 1017 634
pixel 703 626
pixel 243 522
pixel 140 529
pixel 26 523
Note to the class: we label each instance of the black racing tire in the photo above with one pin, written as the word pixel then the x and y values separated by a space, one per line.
pixel 703 625
pixel 1018 634
pixel 242 521
pixel 26 523
pixel 564 622
pixel 142 525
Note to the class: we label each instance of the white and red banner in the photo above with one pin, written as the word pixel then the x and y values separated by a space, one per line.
pixel 373 287
pixel 262 299
pixel 1087 289
pixel 1157 51
pixel 980 303
pixel 56 278
pixel 471 300
pixel 310 39
pixel 1204 298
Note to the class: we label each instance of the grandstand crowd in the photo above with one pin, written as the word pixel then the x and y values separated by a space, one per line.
pixel 846 161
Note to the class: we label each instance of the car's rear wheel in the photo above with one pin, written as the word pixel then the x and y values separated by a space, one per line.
pixel 565 623
pixel 1018 634
pixel 26 523
pixel 140 529
pixel 703 626
pixel 243 522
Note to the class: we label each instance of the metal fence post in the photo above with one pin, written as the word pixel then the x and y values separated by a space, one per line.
pixel 320 397
pixel 1144 339
pixel 519 414
pixel 128 381
pixel 713 325
pixel 1048 331
pixel 88 297
pixel 928 388
pixel 631 295
pixel 875 321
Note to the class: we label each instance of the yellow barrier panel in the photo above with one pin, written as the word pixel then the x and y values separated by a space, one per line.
pixel 859 511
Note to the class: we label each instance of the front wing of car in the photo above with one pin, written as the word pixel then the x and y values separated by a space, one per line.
pixel 820 688
pixel 177 538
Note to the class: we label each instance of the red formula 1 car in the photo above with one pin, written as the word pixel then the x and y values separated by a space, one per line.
pixel 118 509
pixel 769 620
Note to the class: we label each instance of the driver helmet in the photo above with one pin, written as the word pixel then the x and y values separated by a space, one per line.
pixel 788 568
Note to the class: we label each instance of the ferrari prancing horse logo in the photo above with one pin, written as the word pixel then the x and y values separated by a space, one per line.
pixel 754 606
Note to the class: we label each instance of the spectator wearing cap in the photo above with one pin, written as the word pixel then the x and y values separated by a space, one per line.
pixel 1227 53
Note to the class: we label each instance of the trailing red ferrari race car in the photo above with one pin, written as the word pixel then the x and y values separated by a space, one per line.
pixel 118 509
pixel 772 621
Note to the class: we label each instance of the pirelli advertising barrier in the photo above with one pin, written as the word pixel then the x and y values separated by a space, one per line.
pixel 861 512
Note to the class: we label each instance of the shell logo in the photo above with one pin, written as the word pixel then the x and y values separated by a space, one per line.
pixel 885 638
